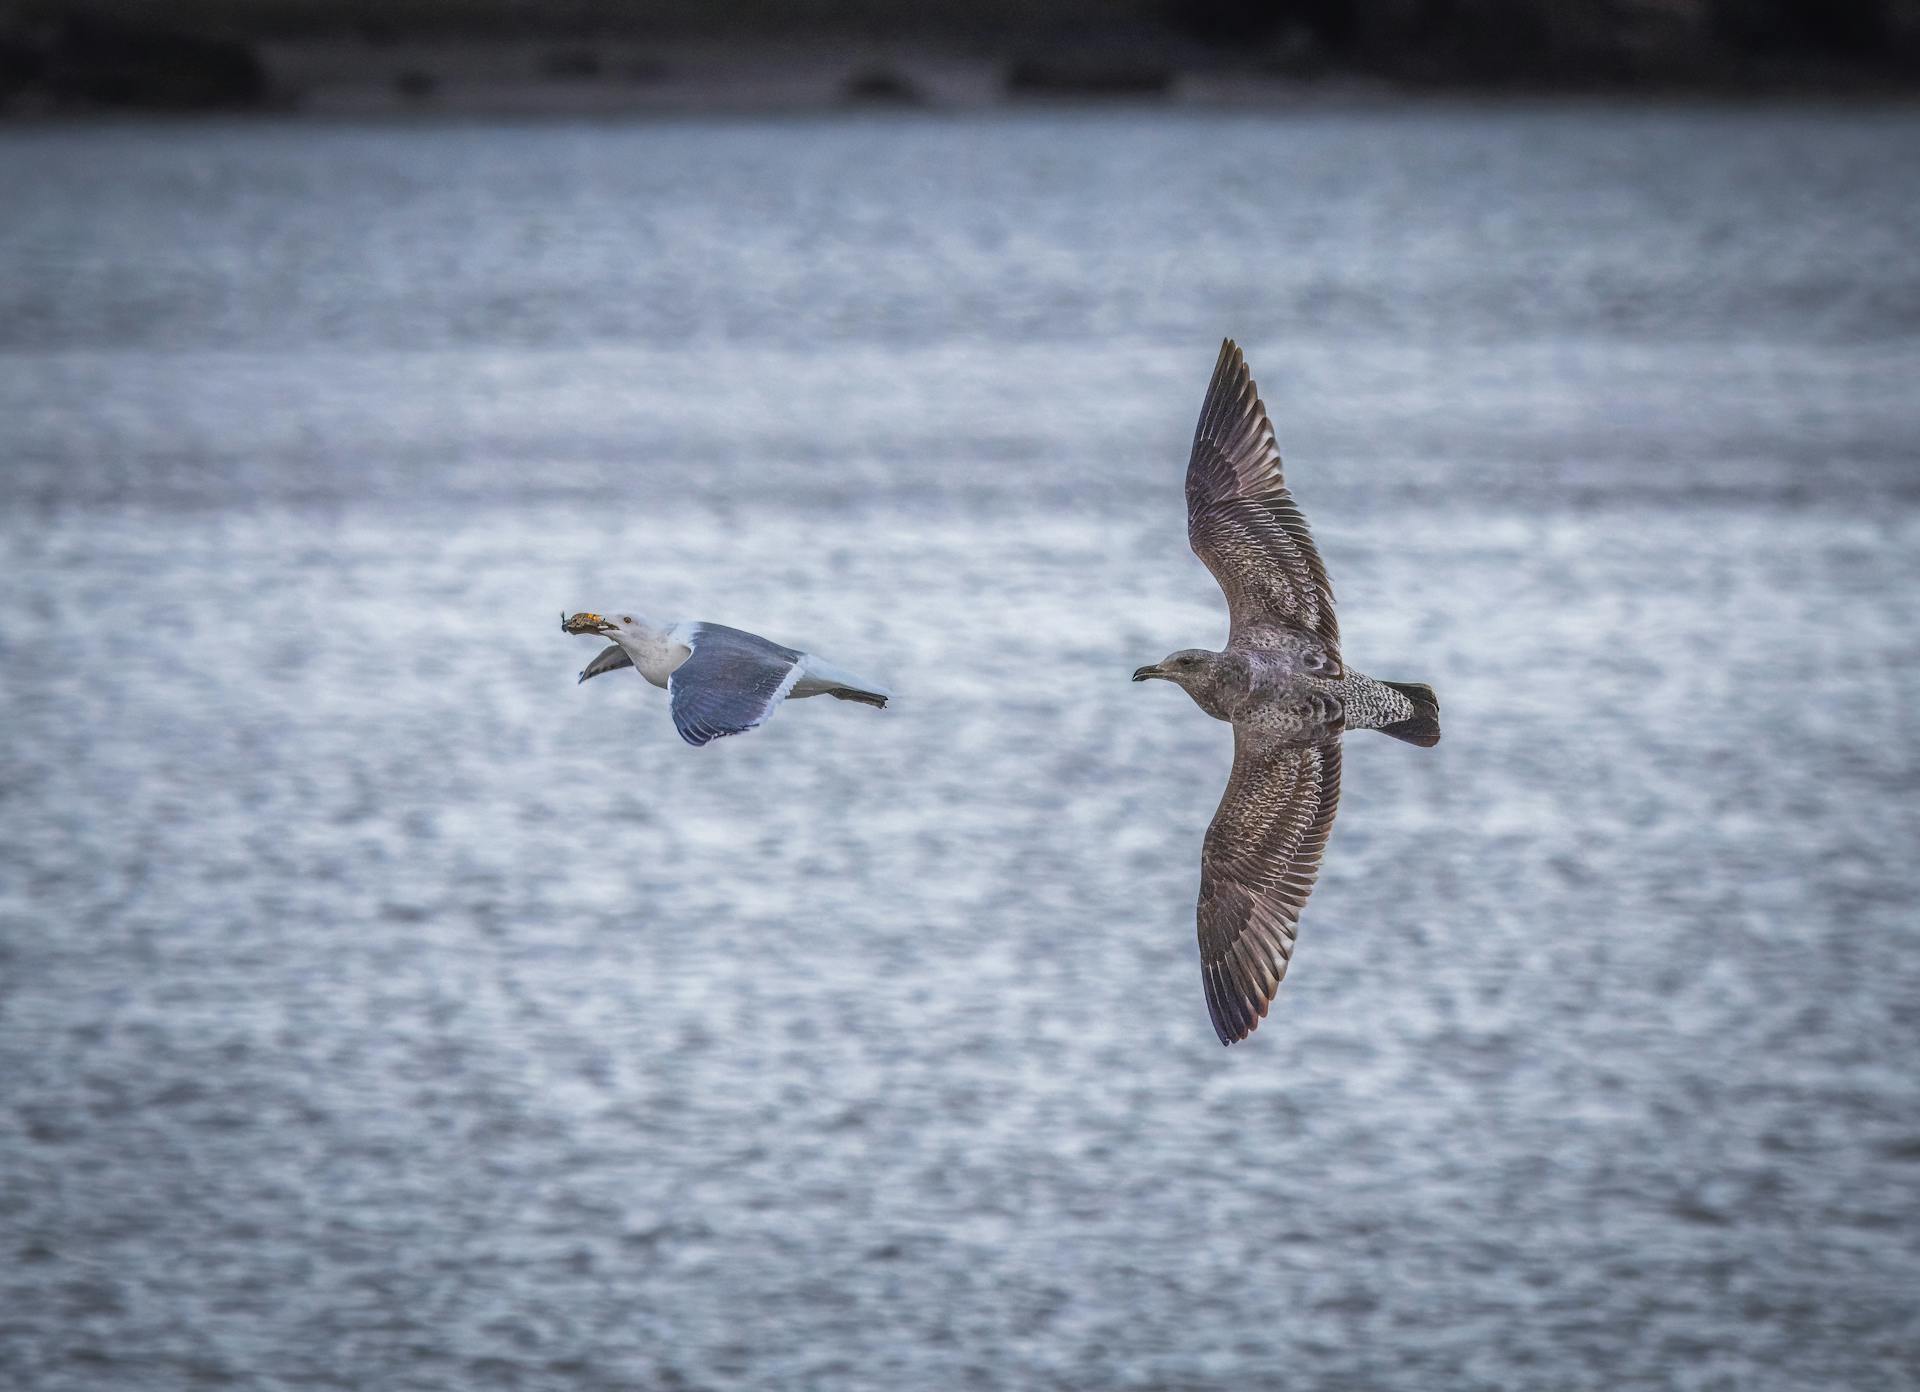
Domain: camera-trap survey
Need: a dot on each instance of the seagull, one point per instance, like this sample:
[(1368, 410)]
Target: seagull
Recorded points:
[(719, 680), (1282, 684)]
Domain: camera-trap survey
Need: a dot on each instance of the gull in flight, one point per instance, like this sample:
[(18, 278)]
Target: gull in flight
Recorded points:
[(719, 680), (1283, 686)]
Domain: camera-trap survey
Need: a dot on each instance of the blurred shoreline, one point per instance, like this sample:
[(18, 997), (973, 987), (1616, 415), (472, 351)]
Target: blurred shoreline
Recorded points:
[(62, 60)]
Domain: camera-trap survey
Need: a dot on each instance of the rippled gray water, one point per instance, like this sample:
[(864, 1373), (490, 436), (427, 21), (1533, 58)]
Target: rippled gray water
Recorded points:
[(378, 1009)]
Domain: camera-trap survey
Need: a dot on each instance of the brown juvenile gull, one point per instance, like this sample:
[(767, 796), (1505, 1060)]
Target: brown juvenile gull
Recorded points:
[(719, 680), (1282, 684)]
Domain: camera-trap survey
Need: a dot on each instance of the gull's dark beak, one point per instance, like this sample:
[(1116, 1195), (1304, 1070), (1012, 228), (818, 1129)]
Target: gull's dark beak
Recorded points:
[(1142, 673), (585, 623)]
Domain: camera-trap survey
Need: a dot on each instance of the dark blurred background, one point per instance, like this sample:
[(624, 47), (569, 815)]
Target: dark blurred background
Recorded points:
[(380, 1009), (606, 54)]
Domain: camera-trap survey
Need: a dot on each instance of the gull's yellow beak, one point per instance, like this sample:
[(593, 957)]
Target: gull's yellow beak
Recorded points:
[(584, 623)]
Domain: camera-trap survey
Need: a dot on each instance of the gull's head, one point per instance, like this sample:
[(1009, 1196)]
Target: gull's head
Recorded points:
[(603, 625), (1187, 665)]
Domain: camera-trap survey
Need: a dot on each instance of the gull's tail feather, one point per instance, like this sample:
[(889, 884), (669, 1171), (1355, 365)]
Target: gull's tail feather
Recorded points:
[(824, 679), (1423, 726)]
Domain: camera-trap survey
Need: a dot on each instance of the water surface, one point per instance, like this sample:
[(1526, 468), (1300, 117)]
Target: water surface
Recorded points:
[(379, 1009)]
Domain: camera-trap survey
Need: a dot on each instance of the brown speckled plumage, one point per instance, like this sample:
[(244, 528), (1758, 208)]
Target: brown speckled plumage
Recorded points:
[(1283, 685)]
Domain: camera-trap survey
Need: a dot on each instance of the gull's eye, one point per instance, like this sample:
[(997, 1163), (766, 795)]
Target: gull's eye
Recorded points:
[(627, 619)]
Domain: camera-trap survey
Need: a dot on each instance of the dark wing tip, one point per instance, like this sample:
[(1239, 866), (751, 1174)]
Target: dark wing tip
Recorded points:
[(1231, 363), (1235, 1005), (1228, 1031), (1233, 418)]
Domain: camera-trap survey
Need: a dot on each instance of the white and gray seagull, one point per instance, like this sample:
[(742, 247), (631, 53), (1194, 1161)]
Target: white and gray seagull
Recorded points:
[(1289, 695), (719, 680)]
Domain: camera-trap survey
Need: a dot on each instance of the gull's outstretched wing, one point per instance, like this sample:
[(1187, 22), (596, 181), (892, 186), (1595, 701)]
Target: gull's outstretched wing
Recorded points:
[(1244, 524), (611, 659), (1256, 870), (732, 681)]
